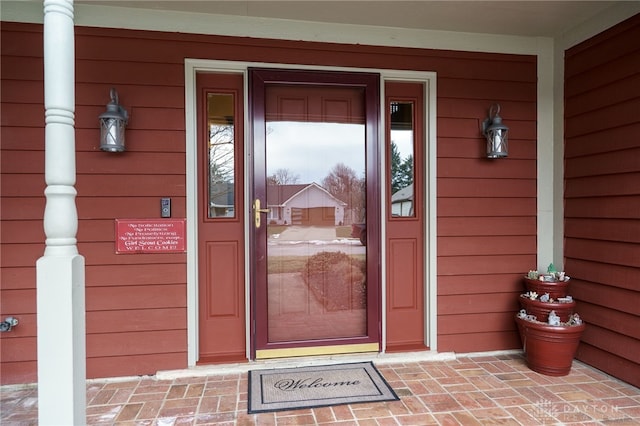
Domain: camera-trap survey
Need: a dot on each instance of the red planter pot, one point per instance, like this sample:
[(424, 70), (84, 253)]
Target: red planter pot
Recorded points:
[(541, 309), (554, 288), (549, 349)]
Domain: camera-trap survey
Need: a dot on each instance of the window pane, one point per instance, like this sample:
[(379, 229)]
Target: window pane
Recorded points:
[(316, 189), (402, 139), (220, 119)]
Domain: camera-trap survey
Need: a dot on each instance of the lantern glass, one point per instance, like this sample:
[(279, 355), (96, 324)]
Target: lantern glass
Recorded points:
[(497, 144), (112, 134)]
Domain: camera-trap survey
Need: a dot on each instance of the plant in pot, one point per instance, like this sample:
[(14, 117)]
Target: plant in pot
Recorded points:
[(549, 329), (542, 305)]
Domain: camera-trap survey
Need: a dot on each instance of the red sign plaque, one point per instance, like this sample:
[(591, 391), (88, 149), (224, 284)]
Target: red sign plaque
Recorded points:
[(150, 235)]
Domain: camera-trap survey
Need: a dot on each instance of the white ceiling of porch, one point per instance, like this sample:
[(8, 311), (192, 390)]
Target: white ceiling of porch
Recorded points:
[(520, 18)]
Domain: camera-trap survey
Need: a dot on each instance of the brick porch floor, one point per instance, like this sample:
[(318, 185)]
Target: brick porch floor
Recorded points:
[(467, 390)]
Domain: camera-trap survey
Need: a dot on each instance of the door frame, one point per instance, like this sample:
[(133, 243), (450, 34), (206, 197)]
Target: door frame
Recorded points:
[(428, 78)]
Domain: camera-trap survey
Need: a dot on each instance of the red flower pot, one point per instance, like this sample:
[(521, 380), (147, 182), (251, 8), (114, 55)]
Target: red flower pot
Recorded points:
[(549, 349), (554, 288), (541, 309)]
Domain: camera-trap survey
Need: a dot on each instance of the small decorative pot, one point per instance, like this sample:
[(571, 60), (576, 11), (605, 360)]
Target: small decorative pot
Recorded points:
[(541, 309), (549, 349), (555, 289)]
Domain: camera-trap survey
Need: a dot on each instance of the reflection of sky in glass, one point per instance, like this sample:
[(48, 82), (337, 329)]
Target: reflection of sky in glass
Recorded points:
[(404, 141), (311, 150)]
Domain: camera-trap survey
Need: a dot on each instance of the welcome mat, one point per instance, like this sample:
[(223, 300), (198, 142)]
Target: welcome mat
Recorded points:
[(316, 386)]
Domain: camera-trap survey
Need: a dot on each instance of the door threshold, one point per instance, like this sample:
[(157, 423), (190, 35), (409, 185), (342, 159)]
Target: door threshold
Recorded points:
[(317, 350)]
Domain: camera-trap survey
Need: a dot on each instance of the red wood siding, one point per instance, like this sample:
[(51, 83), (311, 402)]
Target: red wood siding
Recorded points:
[(136, 304), (602, 196), (22, 203), (486, 209), (486, 231)]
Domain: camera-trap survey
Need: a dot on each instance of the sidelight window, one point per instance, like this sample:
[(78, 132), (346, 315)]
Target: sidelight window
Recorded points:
[(402, 159), (221, 181)]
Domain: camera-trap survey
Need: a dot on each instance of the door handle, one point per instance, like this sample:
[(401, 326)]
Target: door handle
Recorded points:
[(256, 212)]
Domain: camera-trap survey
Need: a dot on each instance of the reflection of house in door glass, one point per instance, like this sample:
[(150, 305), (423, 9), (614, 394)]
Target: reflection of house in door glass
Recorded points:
[(402, 202), (305, 204)]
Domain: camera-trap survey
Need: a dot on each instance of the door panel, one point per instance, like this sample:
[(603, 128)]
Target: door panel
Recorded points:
[(315, 146), (221, 281), (405, 220)]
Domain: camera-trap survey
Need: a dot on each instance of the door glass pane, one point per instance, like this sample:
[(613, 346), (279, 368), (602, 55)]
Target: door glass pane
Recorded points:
[(221, 120), (315, 167), (402, 140)]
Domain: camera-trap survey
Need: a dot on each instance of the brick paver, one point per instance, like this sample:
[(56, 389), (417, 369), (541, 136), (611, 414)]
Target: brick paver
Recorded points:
[(465, 391)]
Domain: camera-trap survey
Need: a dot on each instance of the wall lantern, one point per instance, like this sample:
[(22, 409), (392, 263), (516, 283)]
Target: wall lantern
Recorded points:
[(112, 124), (496, 134)]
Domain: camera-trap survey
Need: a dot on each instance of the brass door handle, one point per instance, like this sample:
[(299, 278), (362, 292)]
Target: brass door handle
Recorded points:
[(256, 212)]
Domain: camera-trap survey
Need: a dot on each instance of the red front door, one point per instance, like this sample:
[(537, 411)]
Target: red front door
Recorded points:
[(315, 167)]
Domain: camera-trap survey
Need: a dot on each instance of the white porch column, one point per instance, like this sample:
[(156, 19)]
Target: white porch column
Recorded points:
[(547, 178), (60, 272)]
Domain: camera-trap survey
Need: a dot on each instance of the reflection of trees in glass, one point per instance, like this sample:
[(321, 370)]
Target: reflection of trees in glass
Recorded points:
[(221, 169), (401, 169), (221, 153), (283, 177), (343, 183)]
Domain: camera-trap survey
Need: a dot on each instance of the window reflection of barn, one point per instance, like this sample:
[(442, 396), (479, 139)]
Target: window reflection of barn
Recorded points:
[(304, 204)]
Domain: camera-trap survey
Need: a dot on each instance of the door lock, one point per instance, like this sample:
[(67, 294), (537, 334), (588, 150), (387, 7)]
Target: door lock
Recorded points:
[(256, 212)]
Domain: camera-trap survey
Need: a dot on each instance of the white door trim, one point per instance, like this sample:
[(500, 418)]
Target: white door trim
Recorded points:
[(192, 66)]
